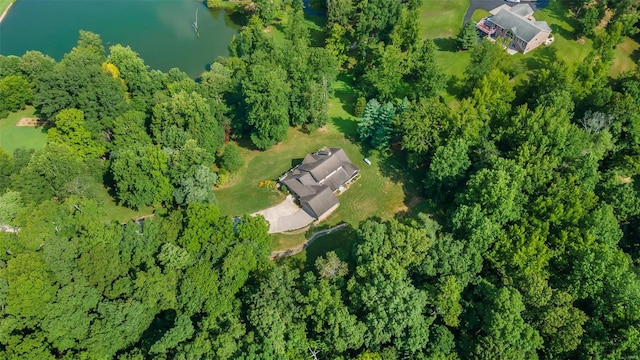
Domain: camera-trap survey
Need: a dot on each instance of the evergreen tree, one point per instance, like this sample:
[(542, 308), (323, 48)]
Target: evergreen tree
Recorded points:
[(468, 36)]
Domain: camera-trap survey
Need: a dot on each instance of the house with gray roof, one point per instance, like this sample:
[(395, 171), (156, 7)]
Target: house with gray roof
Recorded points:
[(517, 26), (318, 178)]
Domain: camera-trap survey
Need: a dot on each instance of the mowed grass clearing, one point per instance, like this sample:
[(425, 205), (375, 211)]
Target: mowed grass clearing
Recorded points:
[(13, 137), (113, 211), (479, 14), (442, 19), (566, 46), (379, 191), (625, 56)]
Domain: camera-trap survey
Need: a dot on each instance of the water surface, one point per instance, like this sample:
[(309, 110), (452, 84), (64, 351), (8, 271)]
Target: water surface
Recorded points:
[(160, 31)]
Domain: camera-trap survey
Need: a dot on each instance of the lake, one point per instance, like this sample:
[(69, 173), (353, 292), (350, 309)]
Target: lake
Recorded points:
[(160, 31)]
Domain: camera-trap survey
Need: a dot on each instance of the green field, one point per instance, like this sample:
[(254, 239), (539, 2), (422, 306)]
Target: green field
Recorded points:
[(442, 19), (566, 46), (383, 189), (624, 60), (115, 212), (13, 137), (479, 14), (341, 242)]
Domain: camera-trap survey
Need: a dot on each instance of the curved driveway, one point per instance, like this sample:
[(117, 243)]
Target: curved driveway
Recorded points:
[(285, 216), (492, 4)]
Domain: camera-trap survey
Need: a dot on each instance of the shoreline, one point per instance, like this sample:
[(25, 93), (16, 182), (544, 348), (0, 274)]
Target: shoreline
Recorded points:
[(6, 11)]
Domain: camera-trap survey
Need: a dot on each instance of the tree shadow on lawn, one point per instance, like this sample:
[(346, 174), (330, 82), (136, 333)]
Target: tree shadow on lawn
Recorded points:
[(541, 57), (316, 34), (562, 32), (635, 54), (446, 44), (341, 241), (455, 87), (347, 98), (559, 13), (244, 141), (348, 127), (394, 166), (296, 162)]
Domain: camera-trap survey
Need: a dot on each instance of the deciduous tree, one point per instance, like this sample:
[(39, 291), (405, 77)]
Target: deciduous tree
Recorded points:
[(140, 176), (15, 93), (70, 130), (266, 92)]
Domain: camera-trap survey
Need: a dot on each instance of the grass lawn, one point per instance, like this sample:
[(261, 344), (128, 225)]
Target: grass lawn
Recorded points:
[(288, 241), (13, 137), (316, 26), (565, 47), (383, 189), (341, 242), (442, 19), (625, 56), (479, 14), (115, 212)]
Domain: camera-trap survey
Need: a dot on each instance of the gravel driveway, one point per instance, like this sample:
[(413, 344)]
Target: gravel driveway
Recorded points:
[(492, 4)]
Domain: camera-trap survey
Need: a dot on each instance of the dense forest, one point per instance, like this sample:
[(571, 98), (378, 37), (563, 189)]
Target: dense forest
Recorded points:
[(532, 250)]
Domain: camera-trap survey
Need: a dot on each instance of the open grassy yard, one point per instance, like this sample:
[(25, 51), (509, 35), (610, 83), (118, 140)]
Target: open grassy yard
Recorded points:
[(566, 46), (13, 137), (316, 26), (479, 14), (115, 212), (626, 56), (383, 189), (442, 19)]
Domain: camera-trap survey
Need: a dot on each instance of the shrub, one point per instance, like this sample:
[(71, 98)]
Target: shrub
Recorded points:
[(358, 110), (231, 158)]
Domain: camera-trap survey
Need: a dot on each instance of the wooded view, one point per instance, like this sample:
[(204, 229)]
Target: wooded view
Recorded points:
[(499, 217)]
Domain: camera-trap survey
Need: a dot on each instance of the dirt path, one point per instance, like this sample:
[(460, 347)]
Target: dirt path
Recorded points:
[(292, 251)]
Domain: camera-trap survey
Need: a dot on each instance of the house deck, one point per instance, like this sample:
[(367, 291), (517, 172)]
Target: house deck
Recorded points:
[(486, 26)]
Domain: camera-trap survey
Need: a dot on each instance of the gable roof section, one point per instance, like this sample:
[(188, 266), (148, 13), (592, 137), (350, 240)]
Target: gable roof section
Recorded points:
[(325, 162), (321, 202), (519, 25), (522, 10), (318, 176)]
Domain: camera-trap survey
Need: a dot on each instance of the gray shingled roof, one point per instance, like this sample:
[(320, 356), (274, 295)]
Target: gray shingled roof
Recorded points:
[(522, 10), (519, 26), (321, 202), (319, 175)]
